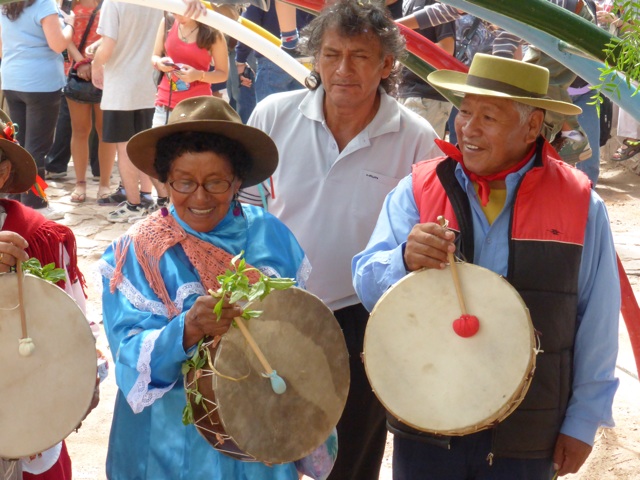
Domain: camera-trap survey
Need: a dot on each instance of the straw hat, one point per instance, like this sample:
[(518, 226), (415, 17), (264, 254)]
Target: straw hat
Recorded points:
[(504, 78), (23, 168), (212, 115)]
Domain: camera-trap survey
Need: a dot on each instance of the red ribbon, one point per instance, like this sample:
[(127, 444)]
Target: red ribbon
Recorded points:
[(484, 189), (9, 132)]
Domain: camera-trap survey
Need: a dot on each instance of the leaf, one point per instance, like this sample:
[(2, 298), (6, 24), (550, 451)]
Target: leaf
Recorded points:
[(217, 309), (235, 259), (249, 314), (236, 296), (187, 414), (49, 272)]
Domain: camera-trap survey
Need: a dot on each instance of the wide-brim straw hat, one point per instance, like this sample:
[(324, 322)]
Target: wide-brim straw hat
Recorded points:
[(212, 115), (23, 167), (503, 78)]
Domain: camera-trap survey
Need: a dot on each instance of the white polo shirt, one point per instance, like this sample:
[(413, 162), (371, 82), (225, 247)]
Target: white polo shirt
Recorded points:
[(329, 199)]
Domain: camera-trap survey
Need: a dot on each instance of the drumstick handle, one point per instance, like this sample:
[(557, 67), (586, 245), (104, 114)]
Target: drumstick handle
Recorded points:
[(454, 271), (23, 316), (456, 282), (252, 343), (277, 383), (25, 344)]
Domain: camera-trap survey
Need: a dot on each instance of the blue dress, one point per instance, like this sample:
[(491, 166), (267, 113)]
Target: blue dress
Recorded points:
[(148, 439)]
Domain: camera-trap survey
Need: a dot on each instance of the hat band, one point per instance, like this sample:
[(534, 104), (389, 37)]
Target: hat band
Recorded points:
[(498, 86)]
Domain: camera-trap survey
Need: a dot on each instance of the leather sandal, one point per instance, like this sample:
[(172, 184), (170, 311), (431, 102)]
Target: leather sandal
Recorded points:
[(79, 194), (630, 148)]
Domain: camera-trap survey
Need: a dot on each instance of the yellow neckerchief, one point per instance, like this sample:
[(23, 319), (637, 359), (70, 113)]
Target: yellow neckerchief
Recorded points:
[(497, 199)]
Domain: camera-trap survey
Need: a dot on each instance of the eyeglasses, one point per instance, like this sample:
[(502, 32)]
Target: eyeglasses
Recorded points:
[(212, 186)]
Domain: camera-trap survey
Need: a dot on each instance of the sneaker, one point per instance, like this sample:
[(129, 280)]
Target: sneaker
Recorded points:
[(147, 201), (54, 175), (152, 208), (49, 213), (116, 198), (572, 150), (125, 212)]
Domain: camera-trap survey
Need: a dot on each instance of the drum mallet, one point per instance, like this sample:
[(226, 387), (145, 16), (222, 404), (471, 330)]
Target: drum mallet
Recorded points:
[(277, 383), (466, 325), (26, 346)]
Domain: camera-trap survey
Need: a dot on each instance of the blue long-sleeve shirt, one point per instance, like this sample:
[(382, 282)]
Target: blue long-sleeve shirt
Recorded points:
[(381, 264)]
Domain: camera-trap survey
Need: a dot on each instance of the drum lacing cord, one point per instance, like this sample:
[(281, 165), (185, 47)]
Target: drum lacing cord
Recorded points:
[(216, 372), (538, 348), (11, 469)]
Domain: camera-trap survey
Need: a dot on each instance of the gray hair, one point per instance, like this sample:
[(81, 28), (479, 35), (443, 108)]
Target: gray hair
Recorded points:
[(525, 111), (351, 18)]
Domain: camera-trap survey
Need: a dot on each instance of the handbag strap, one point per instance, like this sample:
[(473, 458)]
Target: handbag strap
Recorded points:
[(88, 29), (466, 39)]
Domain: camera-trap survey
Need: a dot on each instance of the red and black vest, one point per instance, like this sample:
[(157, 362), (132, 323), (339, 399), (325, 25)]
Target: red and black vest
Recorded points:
[(547, 227)]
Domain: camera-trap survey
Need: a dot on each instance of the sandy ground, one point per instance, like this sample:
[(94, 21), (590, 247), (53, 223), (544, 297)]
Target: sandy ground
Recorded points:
[(616, 454)]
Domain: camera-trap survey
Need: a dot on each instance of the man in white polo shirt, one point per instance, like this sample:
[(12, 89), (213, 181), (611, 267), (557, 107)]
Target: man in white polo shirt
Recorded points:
[(343, 146)]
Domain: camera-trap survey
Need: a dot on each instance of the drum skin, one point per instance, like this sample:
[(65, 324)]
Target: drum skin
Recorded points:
[(244, 418), (44, 396), (434, 380)]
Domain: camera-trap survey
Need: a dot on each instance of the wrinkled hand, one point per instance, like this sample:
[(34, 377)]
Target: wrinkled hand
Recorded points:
[(200, 321), (194, 9), (427, 246), (12, 250), (569, 454)]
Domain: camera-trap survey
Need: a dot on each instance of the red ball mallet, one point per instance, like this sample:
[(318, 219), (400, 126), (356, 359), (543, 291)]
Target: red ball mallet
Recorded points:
[(466, 325)]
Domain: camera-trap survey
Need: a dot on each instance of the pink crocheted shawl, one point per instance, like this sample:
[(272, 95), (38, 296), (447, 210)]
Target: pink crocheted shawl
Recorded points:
[(155, 235)]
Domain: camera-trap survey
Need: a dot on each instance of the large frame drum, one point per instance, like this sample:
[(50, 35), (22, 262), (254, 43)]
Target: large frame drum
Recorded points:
[(434, 380), (43, 396), (241, 416)]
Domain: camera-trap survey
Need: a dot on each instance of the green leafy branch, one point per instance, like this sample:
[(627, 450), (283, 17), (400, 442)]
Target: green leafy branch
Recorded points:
[(234, 285), (195, 363), (622, 55), (49, 272)]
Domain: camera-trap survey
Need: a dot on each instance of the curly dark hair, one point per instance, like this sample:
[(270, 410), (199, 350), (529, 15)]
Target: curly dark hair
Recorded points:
[(351, 18), (172, 146), (14, 10)]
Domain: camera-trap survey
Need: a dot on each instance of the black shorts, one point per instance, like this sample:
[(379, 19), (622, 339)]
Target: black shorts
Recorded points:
[(118, 126)]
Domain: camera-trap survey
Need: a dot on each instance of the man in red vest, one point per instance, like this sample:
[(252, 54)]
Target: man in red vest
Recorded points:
[(515, 208)]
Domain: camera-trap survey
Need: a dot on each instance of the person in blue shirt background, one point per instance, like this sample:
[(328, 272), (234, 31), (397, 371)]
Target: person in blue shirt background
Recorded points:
[(517, 210)]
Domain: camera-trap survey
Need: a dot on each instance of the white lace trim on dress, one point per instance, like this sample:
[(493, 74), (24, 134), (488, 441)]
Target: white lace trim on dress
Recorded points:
[(140, 396), (302, 275), (142, 303)]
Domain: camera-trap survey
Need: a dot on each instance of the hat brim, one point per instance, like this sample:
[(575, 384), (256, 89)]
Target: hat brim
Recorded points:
[(262, 150), (23, 168), (455, 82)]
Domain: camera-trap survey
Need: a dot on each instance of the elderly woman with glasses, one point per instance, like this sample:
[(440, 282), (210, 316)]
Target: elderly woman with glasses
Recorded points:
[(156, 276)]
